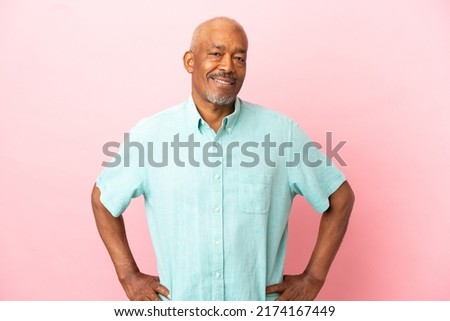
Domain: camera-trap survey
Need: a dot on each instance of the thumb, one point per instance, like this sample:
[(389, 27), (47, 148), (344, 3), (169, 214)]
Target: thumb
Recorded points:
[(276, 288)]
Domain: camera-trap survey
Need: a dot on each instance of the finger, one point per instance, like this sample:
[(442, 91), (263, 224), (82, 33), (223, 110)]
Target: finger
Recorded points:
[(285, 296), (157, 298), (153, 296), (142, 297), (161, 289), (276, 288)]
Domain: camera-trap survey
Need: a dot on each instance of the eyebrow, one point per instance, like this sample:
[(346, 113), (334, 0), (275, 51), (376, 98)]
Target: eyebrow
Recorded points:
[(222, 47)]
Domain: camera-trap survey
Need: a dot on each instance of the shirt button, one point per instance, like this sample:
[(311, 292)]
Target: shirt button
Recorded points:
[(217, 242), (217, 176), (229, 129), (217, 210), (218, 275)]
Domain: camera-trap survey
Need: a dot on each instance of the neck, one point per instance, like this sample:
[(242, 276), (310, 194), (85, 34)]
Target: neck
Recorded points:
[(213, 114)]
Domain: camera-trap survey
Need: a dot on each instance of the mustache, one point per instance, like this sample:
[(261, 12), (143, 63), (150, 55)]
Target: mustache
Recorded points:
[(222, 75)]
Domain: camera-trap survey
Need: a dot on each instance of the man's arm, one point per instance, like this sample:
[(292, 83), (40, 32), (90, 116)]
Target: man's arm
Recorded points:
[(138, 286), (333, 226)]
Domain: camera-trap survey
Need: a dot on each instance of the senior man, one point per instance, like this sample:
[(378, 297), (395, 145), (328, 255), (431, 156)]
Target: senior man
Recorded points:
[(218, 175)]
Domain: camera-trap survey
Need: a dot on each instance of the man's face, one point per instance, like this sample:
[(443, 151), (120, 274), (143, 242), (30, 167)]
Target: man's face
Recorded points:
[(218, 64)]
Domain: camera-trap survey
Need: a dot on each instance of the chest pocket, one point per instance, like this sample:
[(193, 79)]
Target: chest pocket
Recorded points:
[(254, 193)]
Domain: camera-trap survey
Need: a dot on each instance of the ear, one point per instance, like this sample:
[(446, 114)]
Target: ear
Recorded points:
[(188, 60)]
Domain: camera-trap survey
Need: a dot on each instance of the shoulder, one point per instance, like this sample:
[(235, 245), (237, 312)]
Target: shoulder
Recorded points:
[(273, 121), (167, 115), (160, 122), (266, 114)]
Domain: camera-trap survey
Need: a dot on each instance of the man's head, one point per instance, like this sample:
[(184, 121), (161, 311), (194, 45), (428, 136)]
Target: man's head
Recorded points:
[(217, 61)]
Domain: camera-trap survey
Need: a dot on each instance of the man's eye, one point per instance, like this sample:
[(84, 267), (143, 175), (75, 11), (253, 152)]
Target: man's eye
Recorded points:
[(240, 59), (215, 54)]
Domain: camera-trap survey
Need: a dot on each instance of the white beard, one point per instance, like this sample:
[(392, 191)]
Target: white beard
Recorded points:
[(219, 100)]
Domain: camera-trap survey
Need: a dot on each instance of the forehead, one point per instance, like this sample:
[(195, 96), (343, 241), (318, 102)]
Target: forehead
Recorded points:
[(224, 37)]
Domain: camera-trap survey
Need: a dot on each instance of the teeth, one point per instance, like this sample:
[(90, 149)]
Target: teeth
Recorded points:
[(222, 81)]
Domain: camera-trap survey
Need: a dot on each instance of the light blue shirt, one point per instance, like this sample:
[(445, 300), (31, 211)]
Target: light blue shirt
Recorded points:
[(218, 223)]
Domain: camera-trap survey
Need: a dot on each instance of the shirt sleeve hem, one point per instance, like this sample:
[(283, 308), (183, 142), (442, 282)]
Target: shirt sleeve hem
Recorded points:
[(106, 201), (329, 190)]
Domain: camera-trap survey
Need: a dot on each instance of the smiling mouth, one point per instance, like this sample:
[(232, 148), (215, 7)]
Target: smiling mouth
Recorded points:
[(224, 82), (223, 79)]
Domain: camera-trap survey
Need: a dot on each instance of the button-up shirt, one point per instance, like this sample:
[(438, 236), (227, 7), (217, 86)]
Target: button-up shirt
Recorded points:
[(218, 204)]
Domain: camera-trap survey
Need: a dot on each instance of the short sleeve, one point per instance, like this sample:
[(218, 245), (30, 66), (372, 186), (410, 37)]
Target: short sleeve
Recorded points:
[(123, 179), (310, 172)]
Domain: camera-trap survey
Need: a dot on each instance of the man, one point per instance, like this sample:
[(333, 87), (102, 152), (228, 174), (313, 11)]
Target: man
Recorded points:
[(218, 207)]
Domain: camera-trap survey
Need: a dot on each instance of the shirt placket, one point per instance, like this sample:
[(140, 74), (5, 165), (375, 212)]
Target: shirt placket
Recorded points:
[(216, 197), (217, 273)]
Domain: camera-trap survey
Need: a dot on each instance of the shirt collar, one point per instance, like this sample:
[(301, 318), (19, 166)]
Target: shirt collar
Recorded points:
[(197, 121)]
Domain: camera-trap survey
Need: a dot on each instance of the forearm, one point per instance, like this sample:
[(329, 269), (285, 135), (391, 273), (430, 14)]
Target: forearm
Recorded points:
[(333, 226), (112, 232)]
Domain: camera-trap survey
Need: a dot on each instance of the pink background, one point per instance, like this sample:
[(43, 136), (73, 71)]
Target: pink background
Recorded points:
[(76, 74)]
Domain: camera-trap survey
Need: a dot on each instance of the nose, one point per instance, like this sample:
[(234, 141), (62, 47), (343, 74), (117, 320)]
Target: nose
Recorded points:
[(226, 64)]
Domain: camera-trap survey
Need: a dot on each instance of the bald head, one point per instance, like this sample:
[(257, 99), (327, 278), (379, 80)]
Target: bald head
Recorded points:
[(201, 32)]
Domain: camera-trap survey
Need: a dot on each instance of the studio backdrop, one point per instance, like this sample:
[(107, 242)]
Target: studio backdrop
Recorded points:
[(75, 75)]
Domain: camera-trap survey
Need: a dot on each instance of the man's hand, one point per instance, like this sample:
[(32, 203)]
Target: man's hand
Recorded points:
[(301, 287), (143, 287)]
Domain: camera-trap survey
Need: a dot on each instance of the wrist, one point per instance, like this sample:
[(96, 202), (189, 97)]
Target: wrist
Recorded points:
[(124, 271), (315, 276)]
